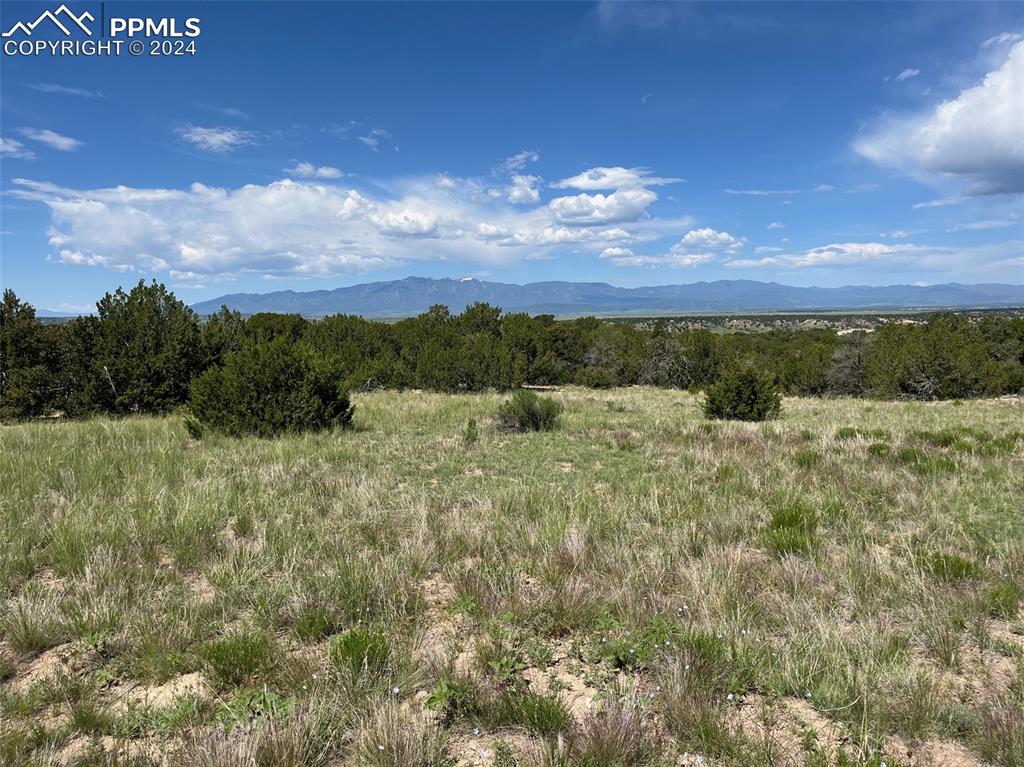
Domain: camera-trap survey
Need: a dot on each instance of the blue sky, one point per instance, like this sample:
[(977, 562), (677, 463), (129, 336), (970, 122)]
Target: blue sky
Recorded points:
[(309, 146)]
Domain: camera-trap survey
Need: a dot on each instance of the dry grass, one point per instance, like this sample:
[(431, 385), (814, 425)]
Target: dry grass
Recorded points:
[(641, 587)]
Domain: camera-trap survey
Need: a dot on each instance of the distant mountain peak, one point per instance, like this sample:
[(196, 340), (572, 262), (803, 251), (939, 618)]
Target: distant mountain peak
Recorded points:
[(413, 295)]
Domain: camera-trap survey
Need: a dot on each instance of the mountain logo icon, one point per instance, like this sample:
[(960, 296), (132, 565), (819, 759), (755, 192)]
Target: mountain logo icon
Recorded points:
[(62, 17)]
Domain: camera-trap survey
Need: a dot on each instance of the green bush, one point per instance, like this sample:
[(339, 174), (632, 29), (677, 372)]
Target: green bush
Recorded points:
[(526, 411), (743, 394), (269, 388)]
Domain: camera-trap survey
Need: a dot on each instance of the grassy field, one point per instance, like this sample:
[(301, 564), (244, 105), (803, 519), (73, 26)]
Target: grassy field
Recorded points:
[(642, 587)]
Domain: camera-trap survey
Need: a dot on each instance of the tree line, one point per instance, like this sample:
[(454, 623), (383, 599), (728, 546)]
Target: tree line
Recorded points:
[(143, 349)]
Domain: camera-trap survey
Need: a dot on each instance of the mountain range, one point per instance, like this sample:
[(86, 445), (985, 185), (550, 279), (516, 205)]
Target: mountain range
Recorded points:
[(413, 295)]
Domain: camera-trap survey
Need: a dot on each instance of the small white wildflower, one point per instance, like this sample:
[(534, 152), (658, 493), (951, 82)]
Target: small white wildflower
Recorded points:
[(807, 695), (476, 730), (729, 696), (380, 748)]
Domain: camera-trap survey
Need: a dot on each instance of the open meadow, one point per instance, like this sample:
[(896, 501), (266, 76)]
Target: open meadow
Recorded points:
[(641, 587)]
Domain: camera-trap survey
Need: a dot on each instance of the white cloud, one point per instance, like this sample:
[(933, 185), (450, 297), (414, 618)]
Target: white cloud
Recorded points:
[(774, 192), (613, 178), (761, 249), (64, 90), (486, 231), (906, 74), (523, 190), (989, 263), (217, 140), (563, 235), (977, 136), (1002, 39), (991, 223), (375, 138), (776, 225), (625, 204), (305, 228), (626, 257), (616, 254), (309, 170), (709, 239), (405, 220), (838, 254), (942, 202), (517, 162), (15, 149), (698, 246), (51, 139)]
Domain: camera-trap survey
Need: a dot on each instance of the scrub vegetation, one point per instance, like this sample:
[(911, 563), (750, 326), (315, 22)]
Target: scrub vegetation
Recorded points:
[(270, 542), (841, 585)]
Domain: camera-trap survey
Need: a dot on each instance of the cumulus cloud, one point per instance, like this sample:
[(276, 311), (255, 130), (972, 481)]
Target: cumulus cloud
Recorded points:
[(698, 246), (309, 170), (616, 253), (906, 74), (976, 137), (406, 219), (709, 239), (625, 204), (15, 149), (217, 140), (776, 225), (299, 228), (51, 138), (523, 190), (613, 178)]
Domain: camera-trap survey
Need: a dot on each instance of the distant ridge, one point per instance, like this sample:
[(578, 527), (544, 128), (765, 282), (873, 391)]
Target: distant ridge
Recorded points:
[(414, 295)]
